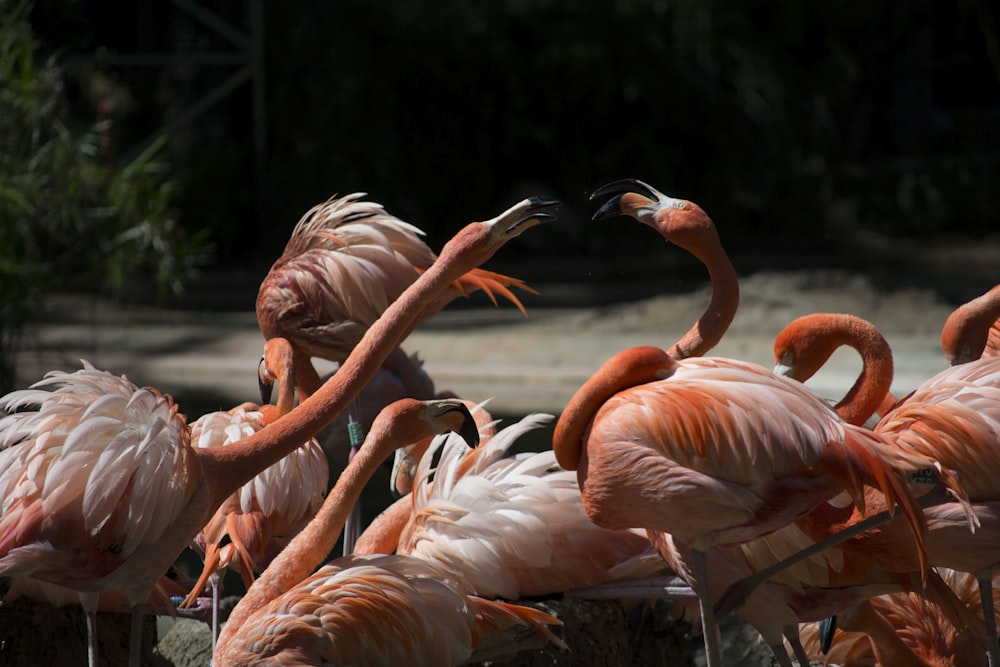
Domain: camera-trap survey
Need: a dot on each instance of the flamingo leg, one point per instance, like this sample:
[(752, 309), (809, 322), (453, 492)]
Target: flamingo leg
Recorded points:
[(737, 593), (800, 652), (91, 617), (352, 529), (986, 597), (214, 582), (781, 656), (135, 637), (713, 656)]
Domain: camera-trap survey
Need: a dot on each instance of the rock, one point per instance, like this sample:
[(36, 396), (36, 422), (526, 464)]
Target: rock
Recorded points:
[(35, 633)]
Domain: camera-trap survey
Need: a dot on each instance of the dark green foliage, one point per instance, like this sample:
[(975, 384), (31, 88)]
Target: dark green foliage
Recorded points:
[(68, 219)]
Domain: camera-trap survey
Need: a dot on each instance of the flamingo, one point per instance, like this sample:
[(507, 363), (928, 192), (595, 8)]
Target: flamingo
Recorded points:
[(710, 451), (100, 487), (972, 330), (381, 610), (253, 524), (345, 262), (954, 418), (511, 526)]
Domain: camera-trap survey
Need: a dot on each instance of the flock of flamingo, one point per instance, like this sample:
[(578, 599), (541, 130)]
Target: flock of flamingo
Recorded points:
[(858, 533)]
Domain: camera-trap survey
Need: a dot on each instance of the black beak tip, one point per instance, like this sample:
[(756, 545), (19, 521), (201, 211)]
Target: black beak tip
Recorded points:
[(263, 387), (625, 185), (543, 202), (609, 209), (827, 629)]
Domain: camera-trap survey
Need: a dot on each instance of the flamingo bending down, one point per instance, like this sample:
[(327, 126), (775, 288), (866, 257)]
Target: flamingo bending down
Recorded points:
[(511, 526), (345, 262), (972, 330), (380, 611), (710, 451), (100, 487), (255, 523), (904, 629)]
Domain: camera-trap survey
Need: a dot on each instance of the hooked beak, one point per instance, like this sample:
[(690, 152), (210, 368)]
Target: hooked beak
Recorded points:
[(526, 214), (451, 415), (621, 188)]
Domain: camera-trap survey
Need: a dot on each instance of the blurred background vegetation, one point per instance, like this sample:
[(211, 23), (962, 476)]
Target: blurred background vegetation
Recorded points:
[(811, 132)]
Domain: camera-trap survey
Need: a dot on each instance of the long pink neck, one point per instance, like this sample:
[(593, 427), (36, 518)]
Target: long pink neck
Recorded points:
[(712, 325), (313, 544), (628, 368), (228, 468)]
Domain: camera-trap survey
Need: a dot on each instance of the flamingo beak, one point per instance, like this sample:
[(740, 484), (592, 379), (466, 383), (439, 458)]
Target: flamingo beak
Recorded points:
[(264, 382), (622, 188)]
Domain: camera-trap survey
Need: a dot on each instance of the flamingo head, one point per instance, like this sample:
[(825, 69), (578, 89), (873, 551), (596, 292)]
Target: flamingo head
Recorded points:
[(479, 241), (277, 365), (436, 417), (679, 221)]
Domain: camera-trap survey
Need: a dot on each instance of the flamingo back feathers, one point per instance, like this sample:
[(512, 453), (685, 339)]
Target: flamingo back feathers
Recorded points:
[(721, 422), (99, 463)]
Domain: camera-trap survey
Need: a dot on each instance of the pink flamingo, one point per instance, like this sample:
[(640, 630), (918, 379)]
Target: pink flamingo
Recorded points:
[(100, 487), (710, 451), (383, 610), (345, 262)]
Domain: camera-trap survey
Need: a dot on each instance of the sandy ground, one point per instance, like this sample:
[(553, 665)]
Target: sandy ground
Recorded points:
[(207, 359)]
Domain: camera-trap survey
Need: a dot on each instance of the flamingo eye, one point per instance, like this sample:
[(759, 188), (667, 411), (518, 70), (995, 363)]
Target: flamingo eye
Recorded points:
[(680, 204)]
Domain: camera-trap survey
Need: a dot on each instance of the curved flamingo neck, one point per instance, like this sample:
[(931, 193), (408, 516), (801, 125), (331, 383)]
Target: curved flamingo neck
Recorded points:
[(712, 325), (814, 338), (628, 368), (966, 331), (228, 468)]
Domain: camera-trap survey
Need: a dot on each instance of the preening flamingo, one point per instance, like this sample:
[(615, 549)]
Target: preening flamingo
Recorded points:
[(710, 451), (256, 522), (345, 262), (385, 610), (904, 629), (972, 330), (510, 526), (100, 487)]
